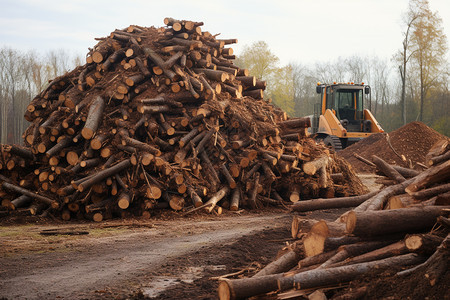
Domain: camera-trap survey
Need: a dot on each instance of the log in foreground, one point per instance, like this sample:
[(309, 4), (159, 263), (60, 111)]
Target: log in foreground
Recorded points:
[(327, 277), (283, 264), (248, 287), (309, 205), (381, 222)]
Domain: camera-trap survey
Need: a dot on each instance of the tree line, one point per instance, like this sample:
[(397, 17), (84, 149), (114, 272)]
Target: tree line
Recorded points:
[(22, 76), (411, 86)]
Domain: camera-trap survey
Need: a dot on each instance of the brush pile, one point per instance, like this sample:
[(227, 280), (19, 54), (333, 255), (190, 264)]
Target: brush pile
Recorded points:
[(158, 118)]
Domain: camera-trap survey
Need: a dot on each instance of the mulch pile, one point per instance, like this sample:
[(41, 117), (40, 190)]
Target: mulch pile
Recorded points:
[(412, 140), (159, 118)]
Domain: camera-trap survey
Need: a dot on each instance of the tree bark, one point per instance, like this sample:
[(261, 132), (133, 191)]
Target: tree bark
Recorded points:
[(13, 188), (381, 222), (316, 204), (94, 118), (394, 249), (439, 173), (104, 174), (312, 167), (283, 264), (387, 169), (333, 276)]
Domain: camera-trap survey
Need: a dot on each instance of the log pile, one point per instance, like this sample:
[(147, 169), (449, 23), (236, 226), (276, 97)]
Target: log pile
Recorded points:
[(411, 238), (162, 118)]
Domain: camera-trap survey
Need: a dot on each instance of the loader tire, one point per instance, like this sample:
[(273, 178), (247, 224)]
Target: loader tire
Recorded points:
[(334, 142)]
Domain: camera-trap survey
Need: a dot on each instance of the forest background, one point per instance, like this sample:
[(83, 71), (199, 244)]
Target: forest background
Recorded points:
[(412, 85)]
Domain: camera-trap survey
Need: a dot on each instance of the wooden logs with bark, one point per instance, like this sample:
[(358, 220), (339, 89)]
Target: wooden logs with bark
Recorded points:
[(155, 119), (381, 222)]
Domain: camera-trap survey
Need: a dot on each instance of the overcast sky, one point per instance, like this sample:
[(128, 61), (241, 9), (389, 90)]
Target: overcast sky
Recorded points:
[(304, 31)]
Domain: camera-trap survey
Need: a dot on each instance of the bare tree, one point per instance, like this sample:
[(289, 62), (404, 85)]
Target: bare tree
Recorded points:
[(404, 55)]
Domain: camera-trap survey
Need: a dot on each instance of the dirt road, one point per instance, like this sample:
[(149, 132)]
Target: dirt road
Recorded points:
[(118, 259), (166, 257)]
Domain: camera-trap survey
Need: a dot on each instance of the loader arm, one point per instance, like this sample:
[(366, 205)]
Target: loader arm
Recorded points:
[(330, 125)]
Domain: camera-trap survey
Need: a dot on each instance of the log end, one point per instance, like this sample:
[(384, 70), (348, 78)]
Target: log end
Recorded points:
[(309, 169), (87, 133), (224, 290), (350, 223), (123, 203), (413, 242)]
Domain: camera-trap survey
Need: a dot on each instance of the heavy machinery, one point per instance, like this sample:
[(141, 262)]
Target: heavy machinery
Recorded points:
[(340, 118)]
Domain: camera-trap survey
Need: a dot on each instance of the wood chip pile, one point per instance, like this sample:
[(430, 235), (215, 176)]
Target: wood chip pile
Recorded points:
[(159, 118), (403, 228)]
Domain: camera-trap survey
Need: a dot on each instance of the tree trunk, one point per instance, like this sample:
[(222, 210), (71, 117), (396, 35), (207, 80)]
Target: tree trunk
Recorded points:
[(431, 192), (312, 167), (104, 174), (283, 264), (387, 169), (334, 276), (394, 249), (94, 118), (381, 222), (424, 244), (439, 173), (316, 204), (13, 188)]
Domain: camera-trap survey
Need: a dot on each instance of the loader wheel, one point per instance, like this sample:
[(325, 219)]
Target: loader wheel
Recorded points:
[(334, 142)]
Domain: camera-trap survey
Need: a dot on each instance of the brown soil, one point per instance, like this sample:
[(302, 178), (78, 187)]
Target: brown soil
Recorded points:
[(167, 257), (413, 140)]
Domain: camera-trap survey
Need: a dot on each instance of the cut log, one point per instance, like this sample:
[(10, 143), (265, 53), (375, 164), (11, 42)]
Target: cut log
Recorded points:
[(247, 287), (301, 226), (315, 204), (364, 160), (316, 259), (431, 192), (312, 167), (406, 172), (395, 249), (211, 203), (424, 244), (435, 266), (94, 118), (387, 169), (296, 123), (314, 241), (381, 222), (104, 174), (438, 159), (379, 200), (346, 251), (283, 264), (334, 276), (234, 205), (13, 188), (439, 173)]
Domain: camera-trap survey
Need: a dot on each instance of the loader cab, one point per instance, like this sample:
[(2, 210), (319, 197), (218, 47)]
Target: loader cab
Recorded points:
[(346, 101), (340, 118)]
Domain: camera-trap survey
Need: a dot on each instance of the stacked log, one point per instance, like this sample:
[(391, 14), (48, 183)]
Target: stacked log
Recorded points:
[(371, 238), (160, 118)]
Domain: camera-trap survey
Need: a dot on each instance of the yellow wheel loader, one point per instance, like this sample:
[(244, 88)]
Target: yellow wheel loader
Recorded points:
[(340, 118)]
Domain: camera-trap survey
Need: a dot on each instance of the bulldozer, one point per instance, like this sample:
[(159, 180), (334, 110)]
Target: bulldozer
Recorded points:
[(340, 118)]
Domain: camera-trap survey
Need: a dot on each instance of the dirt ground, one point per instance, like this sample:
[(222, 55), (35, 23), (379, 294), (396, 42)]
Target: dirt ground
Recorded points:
[(126, 258), (161, 258), (165, 257)]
